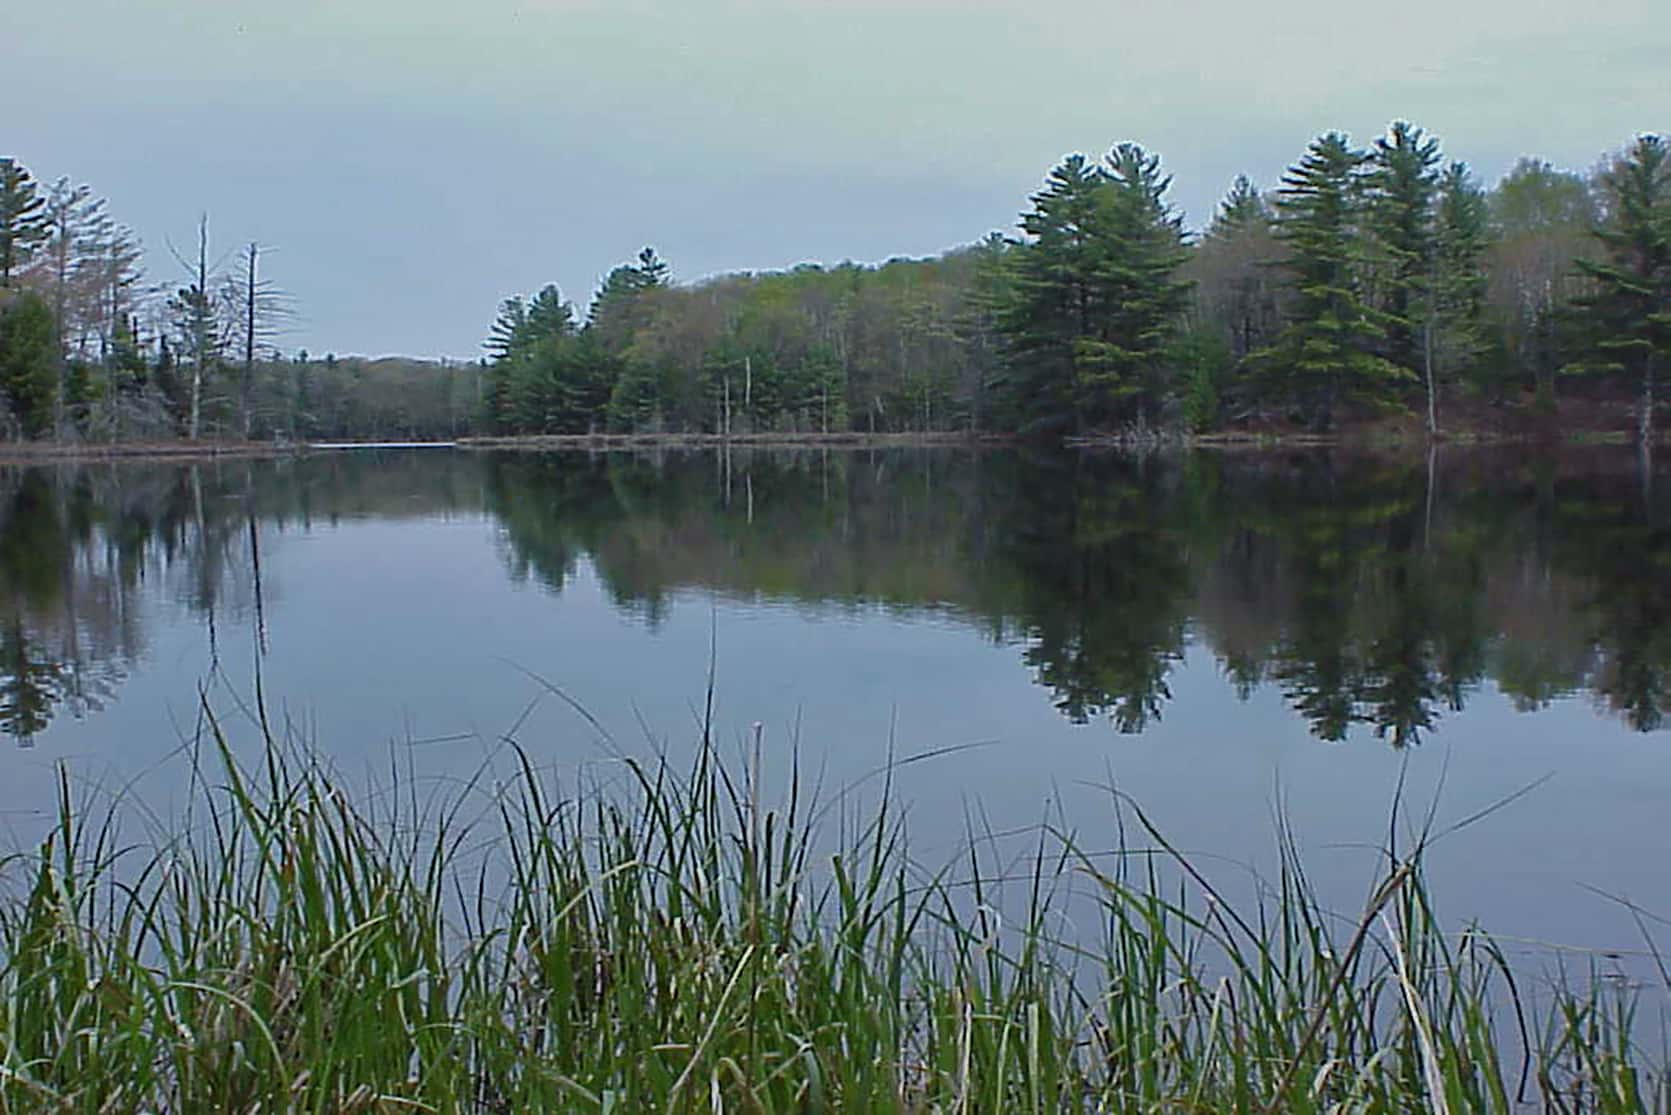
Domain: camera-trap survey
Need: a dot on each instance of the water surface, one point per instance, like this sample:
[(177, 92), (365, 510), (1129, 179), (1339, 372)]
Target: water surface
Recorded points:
[(1220, 636)]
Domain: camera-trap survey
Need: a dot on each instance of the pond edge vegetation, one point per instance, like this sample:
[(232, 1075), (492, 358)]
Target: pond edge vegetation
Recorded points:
[(692, 941)]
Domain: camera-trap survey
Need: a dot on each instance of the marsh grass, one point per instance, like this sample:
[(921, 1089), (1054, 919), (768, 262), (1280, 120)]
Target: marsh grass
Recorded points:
[(676, 942)]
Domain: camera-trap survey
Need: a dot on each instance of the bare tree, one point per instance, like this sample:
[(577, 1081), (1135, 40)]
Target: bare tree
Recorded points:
[(195, 311), (260, 310), (75, 222), (113, 273)]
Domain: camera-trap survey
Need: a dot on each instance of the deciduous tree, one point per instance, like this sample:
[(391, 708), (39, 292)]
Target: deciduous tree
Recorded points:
[(1540, 225)]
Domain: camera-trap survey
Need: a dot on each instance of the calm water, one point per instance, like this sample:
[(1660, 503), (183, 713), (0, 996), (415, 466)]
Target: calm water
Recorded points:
[(1215, 635)]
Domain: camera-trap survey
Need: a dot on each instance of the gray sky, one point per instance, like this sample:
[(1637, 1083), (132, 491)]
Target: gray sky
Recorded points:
[(415, 161)]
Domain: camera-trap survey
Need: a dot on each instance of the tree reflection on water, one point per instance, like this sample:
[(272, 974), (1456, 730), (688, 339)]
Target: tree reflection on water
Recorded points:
[(1375, 594)]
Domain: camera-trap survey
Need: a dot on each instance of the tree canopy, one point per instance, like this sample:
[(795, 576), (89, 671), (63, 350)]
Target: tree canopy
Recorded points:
[(1368, 283)]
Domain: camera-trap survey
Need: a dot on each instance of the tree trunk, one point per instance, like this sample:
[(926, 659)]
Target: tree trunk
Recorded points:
[(1432, 486), (1645, 415), (200, 328), (1432, 388), (249, 341)]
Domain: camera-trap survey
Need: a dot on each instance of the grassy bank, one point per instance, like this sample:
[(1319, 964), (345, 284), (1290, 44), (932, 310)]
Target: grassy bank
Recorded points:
[(680, 944)]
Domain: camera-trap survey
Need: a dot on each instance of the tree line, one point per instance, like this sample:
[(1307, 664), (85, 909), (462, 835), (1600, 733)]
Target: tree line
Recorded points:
[(1369, 281), (93, 349)]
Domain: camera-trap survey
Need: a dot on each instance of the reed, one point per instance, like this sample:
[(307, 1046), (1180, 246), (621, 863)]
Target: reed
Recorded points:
[(688, 942)]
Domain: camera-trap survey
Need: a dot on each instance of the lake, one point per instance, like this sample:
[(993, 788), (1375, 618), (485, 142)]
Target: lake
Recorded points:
[(1224, 637)]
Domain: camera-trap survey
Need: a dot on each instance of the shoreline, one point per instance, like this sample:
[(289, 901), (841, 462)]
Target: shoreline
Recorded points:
[(1364, 439), (49, 452), (850, 440)]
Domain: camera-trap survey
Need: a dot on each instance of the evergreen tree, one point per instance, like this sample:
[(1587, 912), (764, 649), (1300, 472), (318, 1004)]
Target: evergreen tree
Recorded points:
[(195, 313), (980, 300), (549, 317), (29, 360), (505, 335), (1629, 312), (504, 342), (583, 375), (1324, 354), (520, 325), (1242, 207), (1094, 298), (620, 308), (524, 392), (1053, 295), (31, 685), (22, 219), (1141, 298), (1457, 333), (820, 388), (635, 399), (1403, 182), (653, 271)]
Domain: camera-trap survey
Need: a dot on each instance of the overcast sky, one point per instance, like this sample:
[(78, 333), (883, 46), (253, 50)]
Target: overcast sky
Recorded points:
[(414, 161)]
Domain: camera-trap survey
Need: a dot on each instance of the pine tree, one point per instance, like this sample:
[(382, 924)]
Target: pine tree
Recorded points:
[(1456, 335), (523, 397), (1628, 315), (29, 360), (620, 308), (1094, 296), (635, 399), (1324, 354), (504, 337), (564, 386), (1140, 296), (520, 325), (976, 323), (22, 219), (1403, 181), (549, 317), (653, 271), (1242, 207), (1053, 295)]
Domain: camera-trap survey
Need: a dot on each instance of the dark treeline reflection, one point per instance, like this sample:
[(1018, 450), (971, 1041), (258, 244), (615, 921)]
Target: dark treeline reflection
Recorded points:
[(1375, 595), (1379, 594), (90, 553)]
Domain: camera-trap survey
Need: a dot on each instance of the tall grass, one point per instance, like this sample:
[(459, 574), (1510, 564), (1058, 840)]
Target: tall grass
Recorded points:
[(680, 944)]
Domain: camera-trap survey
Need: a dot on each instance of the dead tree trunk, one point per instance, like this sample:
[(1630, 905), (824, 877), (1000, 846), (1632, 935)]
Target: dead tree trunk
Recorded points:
[(200, 325), (247, 387)]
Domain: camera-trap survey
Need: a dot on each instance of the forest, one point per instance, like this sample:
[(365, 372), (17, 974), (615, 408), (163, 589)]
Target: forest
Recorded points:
[(1371, 283)]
